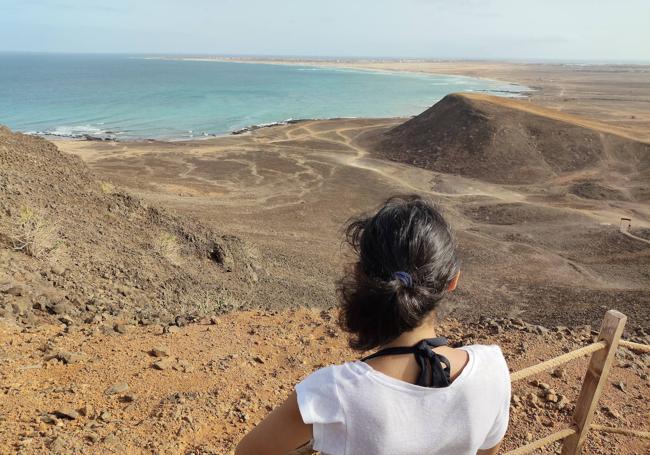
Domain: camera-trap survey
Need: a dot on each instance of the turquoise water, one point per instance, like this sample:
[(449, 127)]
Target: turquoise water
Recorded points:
[(125, 97)]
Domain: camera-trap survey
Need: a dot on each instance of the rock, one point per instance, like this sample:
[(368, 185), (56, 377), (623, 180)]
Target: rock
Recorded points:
[(67, 320), (516, 401), (496, 328), (112, 440), (258, 359), (544, 386), (66, 412), (87, 411), (611, 413), (128, 398), (121, 328), (105, 416), (57, 269), (6, 285), (541, 330), (172, 329), (620, 386), (60, 308), (159, 351), (559, 373), (184, 366), (69, 357), (20, 306), (163, 364), (180, 321), (92, 437), (561, 402), (518, 322), (117, 388), (14, 290), (49, 419), (551, 397), (58, 445)]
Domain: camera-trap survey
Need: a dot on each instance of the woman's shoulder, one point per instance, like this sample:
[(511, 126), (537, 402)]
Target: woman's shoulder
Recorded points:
[(321, 394), (488, 356), (336, 373), (491, 350)]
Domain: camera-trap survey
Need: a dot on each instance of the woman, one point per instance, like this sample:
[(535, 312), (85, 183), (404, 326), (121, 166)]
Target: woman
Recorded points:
[(415, 395)]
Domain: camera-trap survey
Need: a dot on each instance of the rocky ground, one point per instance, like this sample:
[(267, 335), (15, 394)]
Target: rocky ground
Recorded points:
[(196, 389), (75, 247)]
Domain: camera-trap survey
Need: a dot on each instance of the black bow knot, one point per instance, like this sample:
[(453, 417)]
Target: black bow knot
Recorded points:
[(435, 369)]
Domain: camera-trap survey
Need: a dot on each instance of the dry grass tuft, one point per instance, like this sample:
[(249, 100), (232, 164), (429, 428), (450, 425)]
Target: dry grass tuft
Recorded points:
[(106, 187), (166, 245), (32, 233)]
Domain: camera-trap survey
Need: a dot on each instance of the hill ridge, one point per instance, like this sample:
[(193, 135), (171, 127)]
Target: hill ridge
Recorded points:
[(500, 140)]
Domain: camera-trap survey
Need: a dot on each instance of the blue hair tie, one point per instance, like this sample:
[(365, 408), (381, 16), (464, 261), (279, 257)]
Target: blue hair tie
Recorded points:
[(404, 277)]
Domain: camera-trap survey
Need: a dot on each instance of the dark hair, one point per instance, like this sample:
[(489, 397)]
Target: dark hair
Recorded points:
[(407, 234)]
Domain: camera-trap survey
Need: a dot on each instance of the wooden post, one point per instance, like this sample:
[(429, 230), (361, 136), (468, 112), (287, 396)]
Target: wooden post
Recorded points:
[(595, 379)]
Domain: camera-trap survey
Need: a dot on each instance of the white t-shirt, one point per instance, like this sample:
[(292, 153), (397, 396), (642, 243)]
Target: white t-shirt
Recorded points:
[(356, 410)]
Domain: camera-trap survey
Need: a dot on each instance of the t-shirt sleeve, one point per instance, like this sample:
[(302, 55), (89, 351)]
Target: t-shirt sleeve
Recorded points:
[(502, 380), (320, 406)]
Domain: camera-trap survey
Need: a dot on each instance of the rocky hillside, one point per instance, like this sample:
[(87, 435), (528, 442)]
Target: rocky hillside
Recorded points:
[(506, 141), (75, 248)]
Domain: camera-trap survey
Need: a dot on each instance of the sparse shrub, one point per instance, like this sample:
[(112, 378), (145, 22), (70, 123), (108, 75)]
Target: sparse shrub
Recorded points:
[(166, 245), (106, 187), (32, 233)]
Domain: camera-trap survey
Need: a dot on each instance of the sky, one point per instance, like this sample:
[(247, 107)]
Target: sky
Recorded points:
[(573, 30)]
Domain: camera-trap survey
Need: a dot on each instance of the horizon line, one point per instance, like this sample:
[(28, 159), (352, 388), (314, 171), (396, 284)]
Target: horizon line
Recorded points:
[(329, 58)]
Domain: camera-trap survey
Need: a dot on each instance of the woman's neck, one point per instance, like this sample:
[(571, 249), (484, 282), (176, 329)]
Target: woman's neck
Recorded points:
[(425, 330)]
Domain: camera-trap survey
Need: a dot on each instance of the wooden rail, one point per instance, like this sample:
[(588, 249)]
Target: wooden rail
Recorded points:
[(602, 353)]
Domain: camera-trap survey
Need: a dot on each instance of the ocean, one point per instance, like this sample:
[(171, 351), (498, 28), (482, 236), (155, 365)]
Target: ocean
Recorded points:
[(132, 97)]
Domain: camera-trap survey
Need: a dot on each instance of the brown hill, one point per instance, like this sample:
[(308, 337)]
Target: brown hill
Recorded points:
[(82, 250), (507, 141)]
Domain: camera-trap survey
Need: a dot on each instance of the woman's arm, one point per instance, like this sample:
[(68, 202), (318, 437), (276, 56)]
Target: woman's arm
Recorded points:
[(279, 433)]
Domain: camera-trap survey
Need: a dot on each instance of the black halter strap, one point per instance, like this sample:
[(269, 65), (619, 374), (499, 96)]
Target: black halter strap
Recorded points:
[(432, 372)]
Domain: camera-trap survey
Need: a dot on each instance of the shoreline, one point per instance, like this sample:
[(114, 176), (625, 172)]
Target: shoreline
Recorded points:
[(202, 137)]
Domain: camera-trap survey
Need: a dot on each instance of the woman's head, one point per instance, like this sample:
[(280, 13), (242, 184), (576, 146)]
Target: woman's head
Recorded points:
[(406, 263)]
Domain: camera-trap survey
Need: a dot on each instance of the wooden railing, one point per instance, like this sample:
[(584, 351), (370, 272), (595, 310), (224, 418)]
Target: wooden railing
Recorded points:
[(602, 352)]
